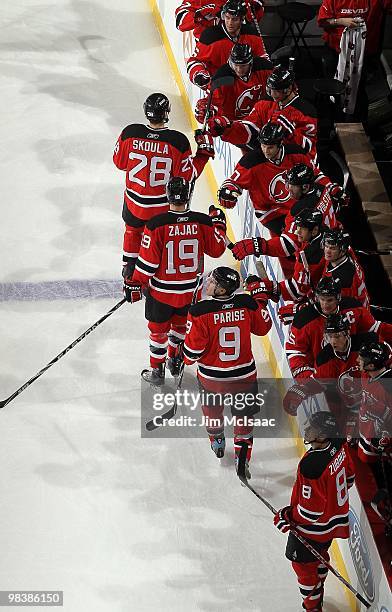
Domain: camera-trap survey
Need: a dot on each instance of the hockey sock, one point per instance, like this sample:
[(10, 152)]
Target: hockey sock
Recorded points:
[(131, 244), (243, 434), (214, 421), (158, 342), (176, 337)]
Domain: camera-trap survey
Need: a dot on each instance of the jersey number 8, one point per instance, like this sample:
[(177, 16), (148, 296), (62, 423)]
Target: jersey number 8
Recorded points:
[(157, 175)]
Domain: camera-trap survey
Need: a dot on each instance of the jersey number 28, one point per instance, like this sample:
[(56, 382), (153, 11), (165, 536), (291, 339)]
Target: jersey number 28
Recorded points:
[(159, 170)]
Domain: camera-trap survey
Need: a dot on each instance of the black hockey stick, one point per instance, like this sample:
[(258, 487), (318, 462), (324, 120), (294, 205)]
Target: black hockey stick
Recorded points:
[(64, 352), (315, 553), (361, 252), (254, 19), (215, 84)]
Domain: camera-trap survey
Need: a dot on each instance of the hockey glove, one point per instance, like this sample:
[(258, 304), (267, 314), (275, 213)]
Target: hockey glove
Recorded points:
[(228, 194), (339, 197), (262, 289), (286, 313), (249, 246), (202, 79), (201, 109), (277, 117), (300, 392), (205, 13), (218, 218), (132, 290), (205, 143), (282, 519), (217, 125)]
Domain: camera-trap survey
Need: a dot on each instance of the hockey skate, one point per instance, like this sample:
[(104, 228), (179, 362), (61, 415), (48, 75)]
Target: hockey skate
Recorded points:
[(248, 475), (154, 376), (218, 445), (174, 365)]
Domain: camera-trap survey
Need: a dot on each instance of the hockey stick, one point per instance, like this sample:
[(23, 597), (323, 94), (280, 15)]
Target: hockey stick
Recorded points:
[(381, 308), (169, 414), (315, 553), (215, 84), (254, 19), (66, 350), (361, 252)]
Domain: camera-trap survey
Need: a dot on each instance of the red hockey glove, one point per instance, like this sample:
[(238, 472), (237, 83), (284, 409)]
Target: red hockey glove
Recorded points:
[(217, 125), (228, 194), (205, 143), (205, 13), (132, 290), (201, 109), (218, 218), (282, 519), (300, 392), (339, 197), (249, 246), (286, 313), (262, 289), (278, 117), (202, 79)]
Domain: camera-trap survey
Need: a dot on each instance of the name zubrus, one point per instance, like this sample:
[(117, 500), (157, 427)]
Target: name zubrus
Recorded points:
[(190, 400)]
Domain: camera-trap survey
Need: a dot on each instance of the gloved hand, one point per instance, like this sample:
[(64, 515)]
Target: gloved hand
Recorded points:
[(205, 13), (217, 125), (201, 109), (278, 117), (300, 392), (218, 218), (202, 79), (262, 289), (249, 246), (286, 313), (228, 194), (282, 519), (132, 290), (338, 196), (205, 143)]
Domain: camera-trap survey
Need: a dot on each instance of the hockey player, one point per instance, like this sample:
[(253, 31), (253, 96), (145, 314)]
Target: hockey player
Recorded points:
[(375, 415), (319, 505), (250, 74), (263, 174), (296, 115), (197, 15), (170, 258), (307, 331), (340, 265), (150, 154), (215, 43), (218, 337)]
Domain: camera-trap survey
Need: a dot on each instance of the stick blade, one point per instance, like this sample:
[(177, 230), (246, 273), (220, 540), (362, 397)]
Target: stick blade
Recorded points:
[(261, 271), (158, 421), (241, 464)]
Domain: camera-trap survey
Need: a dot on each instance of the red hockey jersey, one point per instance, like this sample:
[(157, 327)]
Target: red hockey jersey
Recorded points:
[(370, 10), (187, 20), (219, 337), (150, 157), (319, 499), (330, 364), (307, 332), (298, 117), (172, 246), (375, 414), (308, 269), (215, 44), (238, 100), (351, 277), (266, 182)]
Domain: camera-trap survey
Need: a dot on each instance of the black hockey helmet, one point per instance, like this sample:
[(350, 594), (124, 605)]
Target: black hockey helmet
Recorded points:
[(241, 54), (329, 286), (376, 353), (324, 424), (309, 218), (227, 278), (177, 190), (271, 133), (280, 79), (336, 237), (336, 323), (157, 108), (300, 174), (236, 8)]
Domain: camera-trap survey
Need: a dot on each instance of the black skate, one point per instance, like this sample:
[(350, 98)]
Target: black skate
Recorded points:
[(248, 475), (218, 445), (155, 376), (174, 365)]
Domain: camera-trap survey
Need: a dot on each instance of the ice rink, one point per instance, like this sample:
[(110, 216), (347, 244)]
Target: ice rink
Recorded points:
[(118, 522)]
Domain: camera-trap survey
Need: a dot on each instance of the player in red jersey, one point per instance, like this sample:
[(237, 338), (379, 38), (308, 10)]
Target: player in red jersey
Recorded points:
[(307, 331), (215, 43), (150, 154), (170, 258), (263, 174), (296, 115), (197, 15), (375, 415), (319, 505), (219, 338), (250, 76)]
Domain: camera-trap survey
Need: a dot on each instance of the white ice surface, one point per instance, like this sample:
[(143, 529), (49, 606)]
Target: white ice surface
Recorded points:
[(119, 523)]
